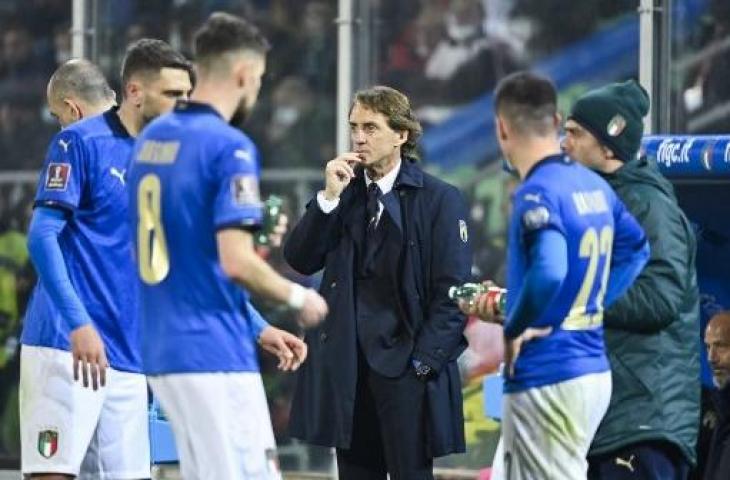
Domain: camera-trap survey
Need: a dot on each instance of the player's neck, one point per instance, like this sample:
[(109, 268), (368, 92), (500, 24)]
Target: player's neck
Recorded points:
[(532, 151), (217, 97), (130, 117)]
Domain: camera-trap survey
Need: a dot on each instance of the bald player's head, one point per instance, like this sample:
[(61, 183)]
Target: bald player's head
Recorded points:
[(717, 339), (78, 89)]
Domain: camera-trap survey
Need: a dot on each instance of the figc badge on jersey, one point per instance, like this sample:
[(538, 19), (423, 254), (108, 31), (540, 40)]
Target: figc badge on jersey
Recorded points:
[(47, 443)]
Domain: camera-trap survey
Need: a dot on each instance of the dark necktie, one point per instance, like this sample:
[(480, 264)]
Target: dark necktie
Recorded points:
[(371, 208)]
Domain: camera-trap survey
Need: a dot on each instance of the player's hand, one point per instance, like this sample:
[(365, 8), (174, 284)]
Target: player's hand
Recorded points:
[(314, 309), (512, 346), (483, 307), (276, 236), (89, 356), (338, 173), (289, 349)]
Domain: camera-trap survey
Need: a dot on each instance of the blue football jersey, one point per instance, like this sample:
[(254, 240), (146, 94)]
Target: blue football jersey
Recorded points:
[(562, 195), (85, 174), (193, 175)]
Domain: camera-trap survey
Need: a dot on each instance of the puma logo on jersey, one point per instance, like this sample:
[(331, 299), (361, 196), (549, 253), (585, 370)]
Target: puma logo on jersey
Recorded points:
[(118, 174), (532, 197), (64, 144), (626, 463)]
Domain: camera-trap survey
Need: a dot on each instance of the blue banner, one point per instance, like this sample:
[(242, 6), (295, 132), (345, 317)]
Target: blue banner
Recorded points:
[(690, 156)]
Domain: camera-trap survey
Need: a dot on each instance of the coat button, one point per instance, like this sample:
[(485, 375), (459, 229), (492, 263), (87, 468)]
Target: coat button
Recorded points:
[(333, 284), (323, 337)]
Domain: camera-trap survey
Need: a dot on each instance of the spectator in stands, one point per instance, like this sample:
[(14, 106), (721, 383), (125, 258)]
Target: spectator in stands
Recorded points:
[(19, 61), (318, 60), (717, 339), (650, 429), (300, 132), (467, 61), (23, 136)]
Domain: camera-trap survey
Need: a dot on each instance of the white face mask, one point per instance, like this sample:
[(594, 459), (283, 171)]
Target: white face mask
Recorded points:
[(285, 116)]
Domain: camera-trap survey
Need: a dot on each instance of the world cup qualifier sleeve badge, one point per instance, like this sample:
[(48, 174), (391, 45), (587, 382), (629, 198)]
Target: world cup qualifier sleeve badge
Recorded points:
[(47, 443)]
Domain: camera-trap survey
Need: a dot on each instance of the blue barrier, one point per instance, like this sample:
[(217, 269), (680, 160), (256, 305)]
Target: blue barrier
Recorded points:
[(162, 442), (685, 156)]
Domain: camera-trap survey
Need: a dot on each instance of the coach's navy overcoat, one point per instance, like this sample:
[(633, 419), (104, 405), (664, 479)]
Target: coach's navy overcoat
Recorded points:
[(435, 255)]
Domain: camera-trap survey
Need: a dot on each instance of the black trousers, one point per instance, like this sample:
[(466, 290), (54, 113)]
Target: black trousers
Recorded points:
[(388, 432), (654, 460)]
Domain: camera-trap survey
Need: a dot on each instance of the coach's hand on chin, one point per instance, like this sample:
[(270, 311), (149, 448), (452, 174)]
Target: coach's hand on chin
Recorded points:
[(289, 349), (89, 356)]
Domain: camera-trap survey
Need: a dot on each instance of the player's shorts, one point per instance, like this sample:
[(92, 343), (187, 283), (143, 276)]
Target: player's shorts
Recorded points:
[(221, 424), (546, 431), (66, 428)]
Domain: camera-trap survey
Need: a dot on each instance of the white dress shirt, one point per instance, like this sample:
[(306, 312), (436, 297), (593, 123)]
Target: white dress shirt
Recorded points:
[(385, 184)]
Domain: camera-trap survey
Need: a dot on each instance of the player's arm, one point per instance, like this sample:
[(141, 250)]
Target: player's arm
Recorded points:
[(59, 192), (546, 271), (237, 211), (644, 297), (241, 263), (450, 264), (45, 253), (318, 230)]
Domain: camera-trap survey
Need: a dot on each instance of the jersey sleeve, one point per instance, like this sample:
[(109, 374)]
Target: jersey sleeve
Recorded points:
[(62, 178), (238, 201), (537, 211)]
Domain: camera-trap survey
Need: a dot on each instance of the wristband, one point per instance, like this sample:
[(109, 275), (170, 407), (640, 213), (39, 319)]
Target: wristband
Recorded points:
[(297, 294)]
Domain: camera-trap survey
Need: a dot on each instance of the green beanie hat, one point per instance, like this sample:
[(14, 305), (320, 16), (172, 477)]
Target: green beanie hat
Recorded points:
[(613, 114)]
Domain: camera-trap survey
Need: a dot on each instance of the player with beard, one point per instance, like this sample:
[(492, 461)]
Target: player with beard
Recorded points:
[(81, 321), (194, 204)]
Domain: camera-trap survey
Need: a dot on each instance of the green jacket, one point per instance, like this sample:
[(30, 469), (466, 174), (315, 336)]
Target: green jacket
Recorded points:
[(652, 331)]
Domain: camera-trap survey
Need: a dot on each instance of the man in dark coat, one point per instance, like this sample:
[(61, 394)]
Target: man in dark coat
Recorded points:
[(650, 429), (381, 383), (717, 339)]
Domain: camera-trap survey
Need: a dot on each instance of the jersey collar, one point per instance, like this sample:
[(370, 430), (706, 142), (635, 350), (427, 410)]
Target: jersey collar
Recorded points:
[(557, 158), (190, 106), (112, 119)]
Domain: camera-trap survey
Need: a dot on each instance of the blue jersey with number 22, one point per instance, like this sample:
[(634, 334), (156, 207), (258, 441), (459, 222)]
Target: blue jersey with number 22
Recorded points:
[(568, 198)]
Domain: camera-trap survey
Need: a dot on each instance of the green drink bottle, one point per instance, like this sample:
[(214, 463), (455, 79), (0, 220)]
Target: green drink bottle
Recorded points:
[(272, 211)]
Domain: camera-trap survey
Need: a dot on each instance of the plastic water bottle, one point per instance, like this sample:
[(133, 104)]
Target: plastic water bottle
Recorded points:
[(470, 291)]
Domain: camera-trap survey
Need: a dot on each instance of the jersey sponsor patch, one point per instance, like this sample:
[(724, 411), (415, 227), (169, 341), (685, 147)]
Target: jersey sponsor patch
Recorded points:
[(57, 176), (245, 190), (535, 218)]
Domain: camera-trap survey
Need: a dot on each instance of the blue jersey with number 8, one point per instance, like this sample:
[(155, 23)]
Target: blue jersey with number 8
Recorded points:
[(193, 175), (566, 197)]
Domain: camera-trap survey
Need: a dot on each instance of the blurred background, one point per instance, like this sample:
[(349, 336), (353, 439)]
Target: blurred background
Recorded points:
[(446, 55)]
